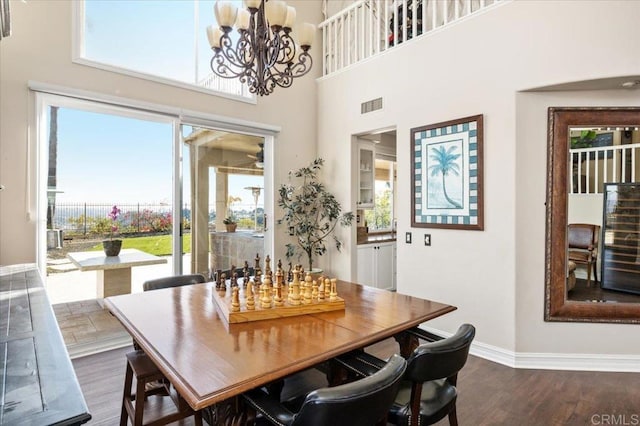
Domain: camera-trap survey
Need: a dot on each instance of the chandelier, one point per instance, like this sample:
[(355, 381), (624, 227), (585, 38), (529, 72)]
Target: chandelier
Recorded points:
[(265, 54)]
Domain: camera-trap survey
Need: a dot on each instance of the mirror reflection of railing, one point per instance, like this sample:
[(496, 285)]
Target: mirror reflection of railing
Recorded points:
[(369, 27), (594, 166)]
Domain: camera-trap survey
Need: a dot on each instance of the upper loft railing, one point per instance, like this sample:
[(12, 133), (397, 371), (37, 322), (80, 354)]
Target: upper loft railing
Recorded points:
[(592, 167), (369, 27)]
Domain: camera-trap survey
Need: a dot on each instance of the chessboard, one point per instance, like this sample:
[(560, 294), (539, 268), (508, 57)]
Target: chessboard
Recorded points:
[(251, 302)]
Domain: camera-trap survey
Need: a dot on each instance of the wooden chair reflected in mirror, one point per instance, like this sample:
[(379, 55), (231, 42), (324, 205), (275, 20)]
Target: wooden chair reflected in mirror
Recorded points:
[(582, 240)]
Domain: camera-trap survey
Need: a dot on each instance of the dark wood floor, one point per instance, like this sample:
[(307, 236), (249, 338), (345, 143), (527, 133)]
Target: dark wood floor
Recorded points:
[(594, 293), (490, 393)]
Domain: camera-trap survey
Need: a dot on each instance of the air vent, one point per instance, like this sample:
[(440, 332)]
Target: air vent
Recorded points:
[(372, 105)]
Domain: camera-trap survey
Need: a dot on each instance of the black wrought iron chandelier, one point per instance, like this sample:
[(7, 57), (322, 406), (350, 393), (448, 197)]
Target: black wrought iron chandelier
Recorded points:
[(265, 54)]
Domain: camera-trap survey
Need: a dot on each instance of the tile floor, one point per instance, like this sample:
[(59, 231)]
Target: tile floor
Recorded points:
[(87, 328)]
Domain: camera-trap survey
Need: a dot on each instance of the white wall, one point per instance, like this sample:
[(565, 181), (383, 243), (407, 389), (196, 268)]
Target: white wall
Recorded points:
[(494, 277), (40, 50), (584, 208)]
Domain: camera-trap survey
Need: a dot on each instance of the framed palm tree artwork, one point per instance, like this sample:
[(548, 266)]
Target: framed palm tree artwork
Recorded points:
[(446, 175)]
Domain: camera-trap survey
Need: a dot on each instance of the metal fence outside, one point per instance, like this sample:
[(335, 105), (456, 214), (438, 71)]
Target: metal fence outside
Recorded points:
[(91, 218), (88, 218)]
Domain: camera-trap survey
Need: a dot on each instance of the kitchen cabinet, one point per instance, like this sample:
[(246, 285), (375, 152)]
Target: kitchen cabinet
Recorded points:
[(377, 265), (366, 175)]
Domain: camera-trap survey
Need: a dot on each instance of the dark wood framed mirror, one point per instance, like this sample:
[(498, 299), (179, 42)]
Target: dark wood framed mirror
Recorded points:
[(564, 176)]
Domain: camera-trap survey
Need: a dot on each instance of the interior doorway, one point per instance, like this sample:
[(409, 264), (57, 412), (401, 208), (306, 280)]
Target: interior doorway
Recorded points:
[(380, 212), (375, 169)]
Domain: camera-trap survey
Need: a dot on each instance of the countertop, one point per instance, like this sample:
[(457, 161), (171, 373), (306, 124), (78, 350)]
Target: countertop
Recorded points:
[(378, 238)]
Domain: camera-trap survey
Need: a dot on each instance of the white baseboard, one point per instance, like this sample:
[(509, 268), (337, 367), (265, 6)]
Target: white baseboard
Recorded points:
[(579, 362), (552, 361), (493, 353)]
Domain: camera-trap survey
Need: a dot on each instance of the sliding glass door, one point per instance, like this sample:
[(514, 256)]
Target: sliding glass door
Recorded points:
[(223, 190), (96, 159), (176, 185)]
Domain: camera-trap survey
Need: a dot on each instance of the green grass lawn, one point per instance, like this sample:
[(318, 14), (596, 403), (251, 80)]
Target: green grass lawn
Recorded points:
[(159, 245)]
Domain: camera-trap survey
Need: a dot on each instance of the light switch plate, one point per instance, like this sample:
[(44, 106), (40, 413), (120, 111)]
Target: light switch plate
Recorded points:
[(407, 237), (427, 239)]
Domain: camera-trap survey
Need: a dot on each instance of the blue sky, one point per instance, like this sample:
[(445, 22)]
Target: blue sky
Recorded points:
[(171, 36), (107, 158), (110, 159)]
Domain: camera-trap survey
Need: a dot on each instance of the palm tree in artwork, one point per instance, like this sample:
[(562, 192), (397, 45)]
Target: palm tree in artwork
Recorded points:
[(445, 163)]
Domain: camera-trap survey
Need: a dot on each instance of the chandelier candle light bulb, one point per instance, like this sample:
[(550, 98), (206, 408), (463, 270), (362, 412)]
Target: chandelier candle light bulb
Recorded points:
[(252, 4), (291, 17), (225, 12), (307, 34), (265, 55), (214, 35), (276, 12), (242, 21)]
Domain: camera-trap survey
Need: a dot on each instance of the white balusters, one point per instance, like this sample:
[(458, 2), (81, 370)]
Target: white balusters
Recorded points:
[(362, 29), (608, 164)]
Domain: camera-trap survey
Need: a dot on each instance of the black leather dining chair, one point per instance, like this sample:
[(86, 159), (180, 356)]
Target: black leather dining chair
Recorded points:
[(173, 281), (363, 402), (428, 391)]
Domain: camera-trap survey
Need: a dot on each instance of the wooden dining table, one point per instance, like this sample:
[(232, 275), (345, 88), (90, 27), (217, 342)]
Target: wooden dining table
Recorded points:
[(210, 361)]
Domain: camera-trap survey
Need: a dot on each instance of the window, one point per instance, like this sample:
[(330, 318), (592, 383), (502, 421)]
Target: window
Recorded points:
[(154, 39), (381, 217)]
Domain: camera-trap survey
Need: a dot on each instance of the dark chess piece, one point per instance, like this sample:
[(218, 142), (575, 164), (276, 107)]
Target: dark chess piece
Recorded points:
[(218, 279), (267, 265), (245, 274), (257, 260), (223, 282), (290, 273)]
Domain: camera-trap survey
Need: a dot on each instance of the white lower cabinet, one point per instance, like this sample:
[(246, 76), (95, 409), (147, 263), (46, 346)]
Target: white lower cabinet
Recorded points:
[(377, 265)]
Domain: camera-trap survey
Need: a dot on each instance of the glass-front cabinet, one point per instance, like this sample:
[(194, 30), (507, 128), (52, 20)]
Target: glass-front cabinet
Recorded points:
[(366, 179), (621, 245)]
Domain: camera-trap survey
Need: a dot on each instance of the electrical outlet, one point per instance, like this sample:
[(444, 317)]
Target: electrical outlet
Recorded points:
[(427, 239), (407, 238)]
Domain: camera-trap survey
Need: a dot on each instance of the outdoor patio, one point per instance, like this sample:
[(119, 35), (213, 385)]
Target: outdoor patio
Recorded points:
[(86, 327)]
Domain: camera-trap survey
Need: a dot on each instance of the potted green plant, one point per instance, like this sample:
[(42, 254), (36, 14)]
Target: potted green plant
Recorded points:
[(230, 223), (584, 140), (311, 213)]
